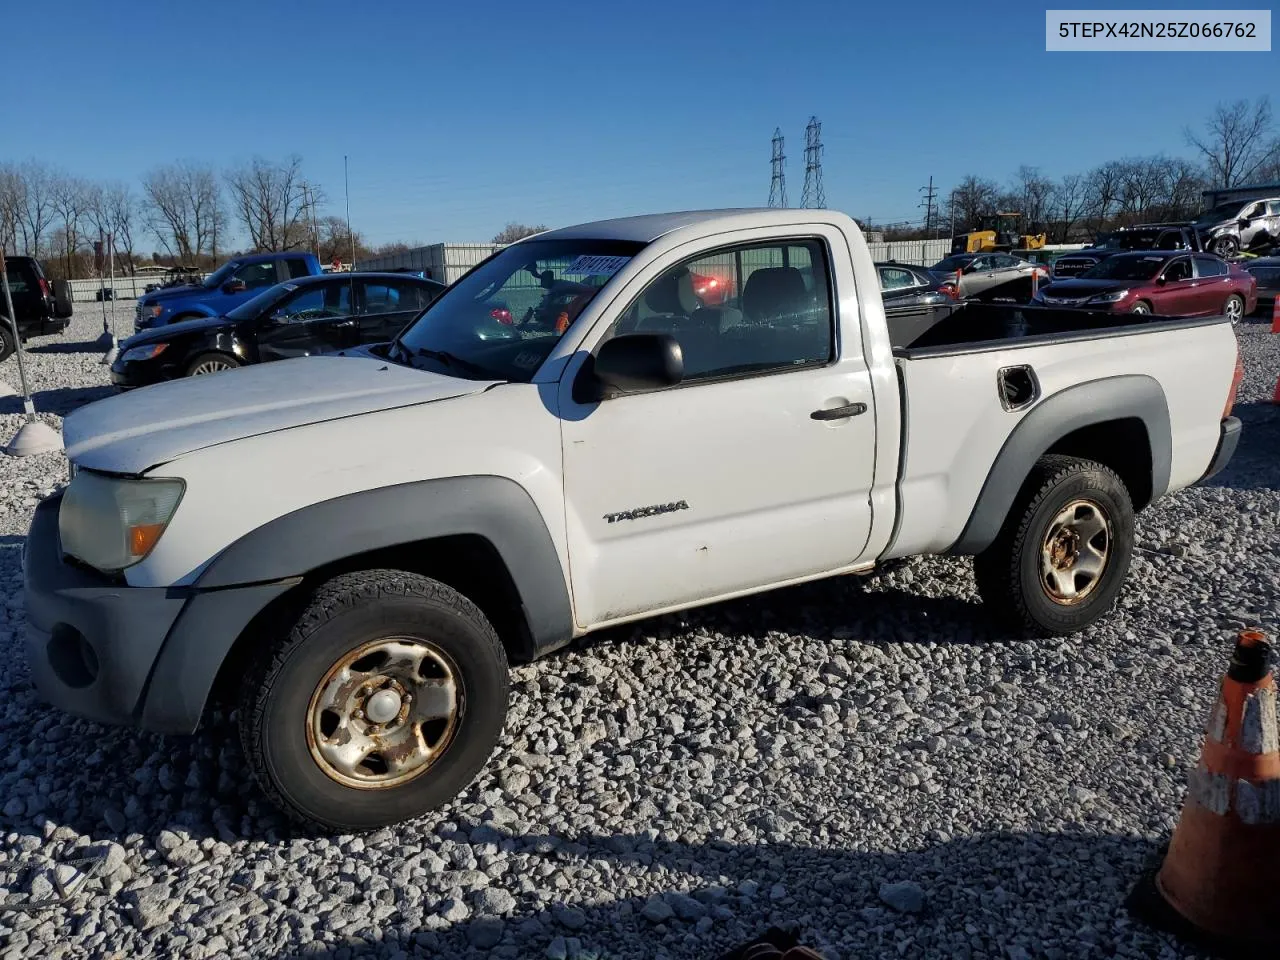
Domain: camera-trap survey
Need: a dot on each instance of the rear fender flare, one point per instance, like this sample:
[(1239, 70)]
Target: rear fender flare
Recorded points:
[(1125, 397)]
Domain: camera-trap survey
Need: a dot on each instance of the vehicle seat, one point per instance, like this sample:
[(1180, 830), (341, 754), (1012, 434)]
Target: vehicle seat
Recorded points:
[(667, 304), (772, 293)]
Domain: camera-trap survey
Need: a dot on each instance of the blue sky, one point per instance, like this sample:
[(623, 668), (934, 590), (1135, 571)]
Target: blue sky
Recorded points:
[(458, 117)]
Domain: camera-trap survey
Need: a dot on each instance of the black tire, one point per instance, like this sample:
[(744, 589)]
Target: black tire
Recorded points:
[(205, 360), (63, 307), (6, 339), (344, 615), (1008, 572), (1141, 307)]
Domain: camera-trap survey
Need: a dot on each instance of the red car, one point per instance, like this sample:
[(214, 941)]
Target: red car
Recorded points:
[(1168, 283)]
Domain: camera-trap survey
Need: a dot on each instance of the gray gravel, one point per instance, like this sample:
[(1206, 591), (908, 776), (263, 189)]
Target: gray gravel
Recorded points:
[(866, 759)]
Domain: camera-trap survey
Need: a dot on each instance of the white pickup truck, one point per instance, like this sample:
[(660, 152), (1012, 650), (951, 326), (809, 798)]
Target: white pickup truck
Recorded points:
[(597, 424)]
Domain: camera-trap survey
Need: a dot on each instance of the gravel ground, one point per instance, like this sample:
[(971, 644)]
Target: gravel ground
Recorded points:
[(864, 758)]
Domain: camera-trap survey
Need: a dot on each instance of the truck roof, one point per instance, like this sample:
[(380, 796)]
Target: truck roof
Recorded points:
[(649, 227)]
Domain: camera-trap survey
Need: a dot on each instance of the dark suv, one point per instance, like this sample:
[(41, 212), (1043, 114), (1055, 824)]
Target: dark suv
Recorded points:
[(1144, 236), (43, 309)]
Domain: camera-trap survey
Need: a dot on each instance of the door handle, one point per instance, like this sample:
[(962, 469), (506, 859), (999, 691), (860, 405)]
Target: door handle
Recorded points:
[(839, 413)]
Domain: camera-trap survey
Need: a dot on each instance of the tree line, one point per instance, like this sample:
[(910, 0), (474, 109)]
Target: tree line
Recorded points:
[(1237, 144), (184, 215)]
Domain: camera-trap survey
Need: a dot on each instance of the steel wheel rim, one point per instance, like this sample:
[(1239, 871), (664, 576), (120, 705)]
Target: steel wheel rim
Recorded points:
[(384, 713), (1234, 309), (210, 366), (1075, 552)]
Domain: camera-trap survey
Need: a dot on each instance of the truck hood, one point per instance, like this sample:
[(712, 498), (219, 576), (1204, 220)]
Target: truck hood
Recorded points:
[(172, 293), (132, 432)]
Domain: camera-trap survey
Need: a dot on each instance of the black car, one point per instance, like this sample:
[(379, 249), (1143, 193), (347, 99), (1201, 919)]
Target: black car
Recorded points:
[(903, 286), (1266, 270), (42, 308), (298, 318)]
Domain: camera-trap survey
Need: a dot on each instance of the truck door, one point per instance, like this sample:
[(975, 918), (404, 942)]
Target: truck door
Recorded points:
[(757, 468)]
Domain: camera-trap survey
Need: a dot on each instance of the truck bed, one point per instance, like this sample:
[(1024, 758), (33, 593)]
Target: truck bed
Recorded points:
[(956, 423)]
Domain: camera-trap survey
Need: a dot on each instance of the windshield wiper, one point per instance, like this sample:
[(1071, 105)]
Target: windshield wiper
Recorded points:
[(449, 360)]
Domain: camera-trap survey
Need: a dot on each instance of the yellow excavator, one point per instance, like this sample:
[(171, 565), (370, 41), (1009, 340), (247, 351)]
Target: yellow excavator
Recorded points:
[(999, 231)]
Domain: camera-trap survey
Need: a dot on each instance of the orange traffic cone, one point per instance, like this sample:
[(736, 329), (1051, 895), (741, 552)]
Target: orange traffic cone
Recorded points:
[(1217, 884)]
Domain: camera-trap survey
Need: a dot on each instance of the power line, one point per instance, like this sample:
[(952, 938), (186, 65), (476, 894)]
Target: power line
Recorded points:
[(778, 185), (813, 195)]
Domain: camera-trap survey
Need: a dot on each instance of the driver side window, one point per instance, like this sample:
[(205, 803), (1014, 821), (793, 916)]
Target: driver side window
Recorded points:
[(741, 310), (1178, 270), (331, 300)]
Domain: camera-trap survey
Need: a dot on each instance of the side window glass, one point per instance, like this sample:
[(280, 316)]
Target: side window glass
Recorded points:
[(1208, 267), (257, 275), (297, 267), (769, 308), (17, 283), (1178, 270), (386, 298), (893, 278), (301, 307)]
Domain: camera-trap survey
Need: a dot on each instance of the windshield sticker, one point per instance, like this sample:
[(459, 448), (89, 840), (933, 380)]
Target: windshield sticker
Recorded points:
[(526, 359), (597, 266)]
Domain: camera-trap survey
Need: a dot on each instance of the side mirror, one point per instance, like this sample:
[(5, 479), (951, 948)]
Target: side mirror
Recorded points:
[(234, 286), (637, 362), (1161, 280)]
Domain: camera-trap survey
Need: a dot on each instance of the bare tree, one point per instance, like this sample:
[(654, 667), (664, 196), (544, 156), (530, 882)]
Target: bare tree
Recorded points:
[(1238, 142), (184, 209), (1031, 191), (971, 200), (33, 211), (1066, 204), (274, 202), (10, 198), (335, 241), (110, 209), (1103, 186), (517, 231), (69, 196)]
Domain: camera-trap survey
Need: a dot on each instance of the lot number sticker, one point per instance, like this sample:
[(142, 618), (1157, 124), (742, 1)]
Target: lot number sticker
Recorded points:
[(597, 266)]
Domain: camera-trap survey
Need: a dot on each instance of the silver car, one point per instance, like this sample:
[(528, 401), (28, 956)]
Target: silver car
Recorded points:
[(1239, 225), (983, 273)]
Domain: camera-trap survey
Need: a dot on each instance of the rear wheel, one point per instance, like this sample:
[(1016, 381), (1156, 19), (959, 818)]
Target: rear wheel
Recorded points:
[(211, 363), (1233, 309), (1063, 554), (1225, 246), (383, 702)]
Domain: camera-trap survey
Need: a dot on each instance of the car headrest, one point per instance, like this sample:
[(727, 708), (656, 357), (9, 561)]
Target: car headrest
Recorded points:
[(772, 292), (672, 293)]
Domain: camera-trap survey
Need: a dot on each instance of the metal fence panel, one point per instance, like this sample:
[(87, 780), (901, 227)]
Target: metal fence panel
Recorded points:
[(126, 288)]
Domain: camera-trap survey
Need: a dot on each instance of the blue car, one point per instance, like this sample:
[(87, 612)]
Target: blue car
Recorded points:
[(232, 284)]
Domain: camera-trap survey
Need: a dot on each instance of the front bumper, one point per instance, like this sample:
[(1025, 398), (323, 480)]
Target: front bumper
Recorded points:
[(1228, 440), (135, 656)]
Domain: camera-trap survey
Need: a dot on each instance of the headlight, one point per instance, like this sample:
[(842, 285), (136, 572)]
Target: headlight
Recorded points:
[(1111, 297), (145, 352), (111, 522), (155, 309)]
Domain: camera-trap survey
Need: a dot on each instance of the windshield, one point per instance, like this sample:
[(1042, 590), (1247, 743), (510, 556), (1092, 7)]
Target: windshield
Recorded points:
[(951, 264), (505, 317), (1125, 268), (1223, 211), (219, 276), (259, 304)]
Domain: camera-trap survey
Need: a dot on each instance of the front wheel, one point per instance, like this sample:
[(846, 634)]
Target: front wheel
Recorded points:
[(1141, 307), (383, 702), (1063, 554), (208, 363), (1233, 309)]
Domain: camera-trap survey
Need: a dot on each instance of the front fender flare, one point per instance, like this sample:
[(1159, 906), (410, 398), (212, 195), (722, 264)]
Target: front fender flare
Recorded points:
[(272, 559)]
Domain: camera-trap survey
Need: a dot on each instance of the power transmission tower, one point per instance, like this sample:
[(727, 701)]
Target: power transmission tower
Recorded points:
[(930, 221), (778, 185), (813, 195)]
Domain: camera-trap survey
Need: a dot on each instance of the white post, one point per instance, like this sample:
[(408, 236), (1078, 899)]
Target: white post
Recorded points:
[(112, 351)]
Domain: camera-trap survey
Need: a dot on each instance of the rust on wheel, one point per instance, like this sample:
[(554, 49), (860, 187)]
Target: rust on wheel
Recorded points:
[(384, 713), (1075, 552)]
